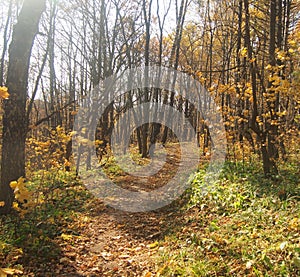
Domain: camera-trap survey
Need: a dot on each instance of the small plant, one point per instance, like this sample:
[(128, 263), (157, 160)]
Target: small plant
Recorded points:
[(23, 197), (45, 214), (238, 227)]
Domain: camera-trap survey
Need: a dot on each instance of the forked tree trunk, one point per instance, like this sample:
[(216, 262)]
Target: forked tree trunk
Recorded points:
[(14, 118)]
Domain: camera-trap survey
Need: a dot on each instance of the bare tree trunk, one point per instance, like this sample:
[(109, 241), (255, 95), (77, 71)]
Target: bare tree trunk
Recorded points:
[(14, 119), (51, 38), (174, 57), (5, 43), (260, 132), (145, 127), (155, 127), (273, 104)]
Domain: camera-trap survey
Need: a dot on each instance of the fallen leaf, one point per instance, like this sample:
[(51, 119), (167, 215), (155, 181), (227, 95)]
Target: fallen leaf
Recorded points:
[(249, 264), (124, 256), (9, 271), (64, 260), (2, 273), (116, 238), (153, 245), (106, 256), (66, 237), (283, 245)]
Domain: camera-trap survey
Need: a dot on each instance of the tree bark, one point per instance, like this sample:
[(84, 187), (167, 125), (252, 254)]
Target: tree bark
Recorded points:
[(274, 103), (5, 43), (14, 119)]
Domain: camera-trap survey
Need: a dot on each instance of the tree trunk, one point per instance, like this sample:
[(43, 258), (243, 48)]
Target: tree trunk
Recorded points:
[(174, 57), (5, 43), (14, 119), (274, 103), (145, 128)]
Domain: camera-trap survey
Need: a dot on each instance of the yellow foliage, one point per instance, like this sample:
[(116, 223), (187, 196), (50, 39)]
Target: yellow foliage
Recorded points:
[(153, 245), (269, 67), (46, 152), (292, 43), (66, 237), (22, 195), (281, 55), (294, 224), (13, 184), (244, 52), (4, 93), (21, 192)]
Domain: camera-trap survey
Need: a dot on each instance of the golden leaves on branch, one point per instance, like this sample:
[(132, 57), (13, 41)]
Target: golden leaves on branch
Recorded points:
[(4, 93), (23, 196)]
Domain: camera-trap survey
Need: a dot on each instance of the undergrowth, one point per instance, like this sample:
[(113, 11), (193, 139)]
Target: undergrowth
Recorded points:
[(33, 237), (243, 225)]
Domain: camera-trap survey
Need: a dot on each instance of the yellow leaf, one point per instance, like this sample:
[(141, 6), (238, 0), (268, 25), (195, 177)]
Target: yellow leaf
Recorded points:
[(67, 163), (9, 271), (244, 52), (292, 42), (148, 274), (269, 67), (153, 245), (294, 224), (23, 195), (4, 93), (66, 237), (2, 273), (13, 184), (98, 142), (21, 182)]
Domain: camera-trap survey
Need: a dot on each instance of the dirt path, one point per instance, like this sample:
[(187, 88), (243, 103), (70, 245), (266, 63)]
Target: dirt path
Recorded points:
[(118, 243)]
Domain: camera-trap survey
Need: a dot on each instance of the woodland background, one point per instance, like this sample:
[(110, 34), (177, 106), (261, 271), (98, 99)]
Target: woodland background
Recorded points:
[(245, 52)]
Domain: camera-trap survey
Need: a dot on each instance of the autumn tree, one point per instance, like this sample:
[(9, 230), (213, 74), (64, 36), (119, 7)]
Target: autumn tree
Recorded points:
[(14, 120)]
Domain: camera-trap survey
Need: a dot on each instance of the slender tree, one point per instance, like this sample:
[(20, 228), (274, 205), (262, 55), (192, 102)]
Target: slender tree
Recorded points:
[(14, 119)]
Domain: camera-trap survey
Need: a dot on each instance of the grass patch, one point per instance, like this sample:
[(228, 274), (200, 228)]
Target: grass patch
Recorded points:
[(244, 225), (32, 242)]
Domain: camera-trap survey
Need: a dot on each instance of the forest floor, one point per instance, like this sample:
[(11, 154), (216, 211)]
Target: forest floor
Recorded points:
[(115, 243), (89, 238), (248, 225), (119, 243)]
